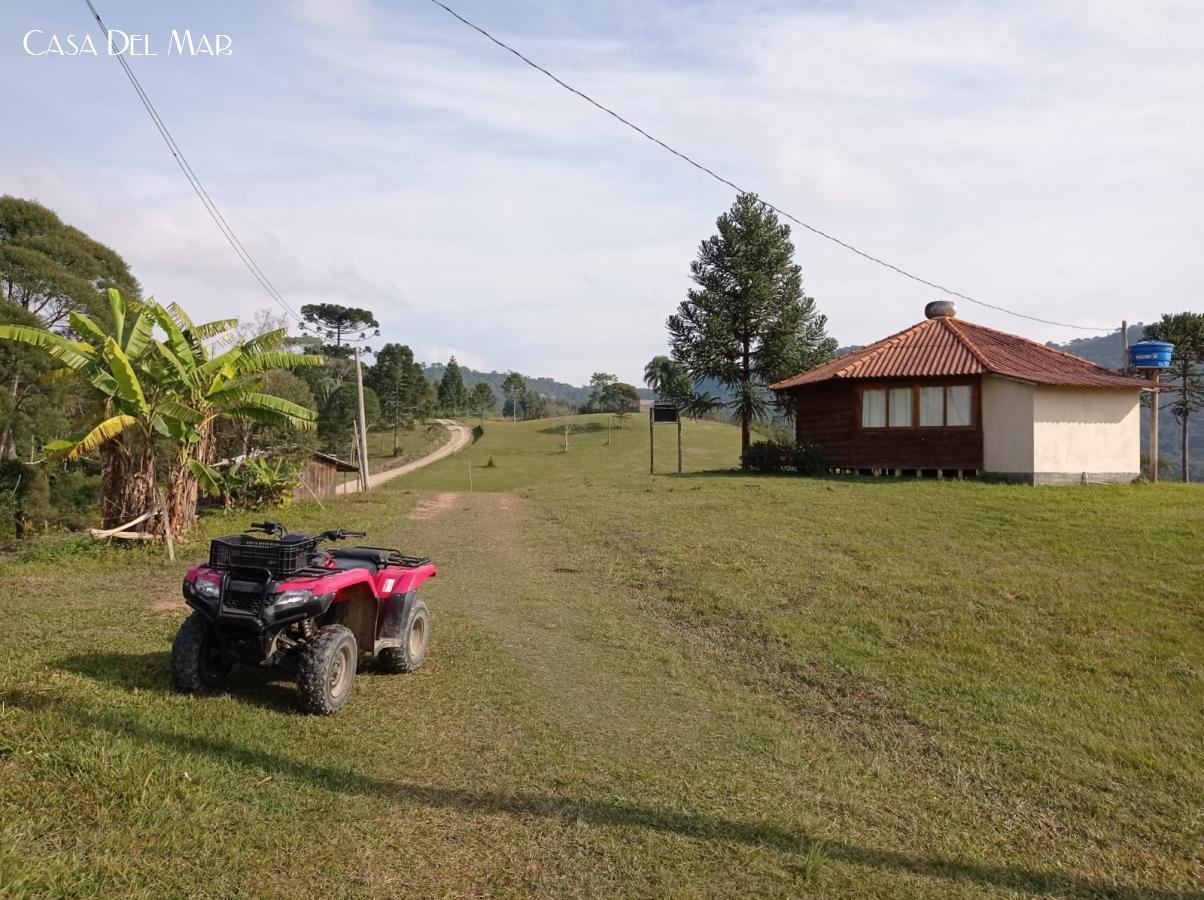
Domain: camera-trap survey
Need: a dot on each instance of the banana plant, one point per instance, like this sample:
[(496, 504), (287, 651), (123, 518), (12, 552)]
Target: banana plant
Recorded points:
[(154, 390), (212, 383), (111, 359), (106, 361)]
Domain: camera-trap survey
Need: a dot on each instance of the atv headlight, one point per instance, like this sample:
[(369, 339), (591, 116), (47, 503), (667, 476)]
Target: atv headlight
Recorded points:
[(207, 590), (292, 598)]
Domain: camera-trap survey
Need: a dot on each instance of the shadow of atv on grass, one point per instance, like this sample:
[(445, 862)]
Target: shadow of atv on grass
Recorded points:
[(268, 688)]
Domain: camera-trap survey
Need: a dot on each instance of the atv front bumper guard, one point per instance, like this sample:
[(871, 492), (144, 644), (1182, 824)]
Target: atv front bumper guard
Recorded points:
[(276, 609)]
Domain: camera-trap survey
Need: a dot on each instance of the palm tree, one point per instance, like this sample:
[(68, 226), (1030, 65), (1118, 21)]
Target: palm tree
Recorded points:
[(660, 373), (669, 380), (154, 393)]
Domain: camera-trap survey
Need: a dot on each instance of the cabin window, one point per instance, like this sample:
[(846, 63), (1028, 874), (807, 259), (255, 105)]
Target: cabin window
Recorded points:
[(958, 412), (929, 406), (900, 407), (932, 406), (873, 409)]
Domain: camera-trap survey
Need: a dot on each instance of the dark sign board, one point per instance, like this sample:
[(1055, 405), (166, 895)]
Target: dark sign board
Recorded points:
[(665, 412)]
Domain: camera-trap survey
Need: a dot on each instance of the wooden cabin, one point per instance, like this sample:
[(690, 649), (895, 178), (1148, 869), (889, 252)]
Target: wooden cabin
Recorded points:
[(949, 398)]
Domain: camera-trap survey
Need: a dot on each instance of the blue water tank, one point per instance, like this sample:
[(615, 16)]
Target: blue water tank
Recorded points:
[(1151, 355)]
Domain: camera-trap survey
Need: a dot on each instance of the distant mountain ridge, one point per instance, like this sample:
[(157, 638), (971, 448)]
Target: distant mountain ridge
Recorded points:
[(1105, 350), (549, 387)]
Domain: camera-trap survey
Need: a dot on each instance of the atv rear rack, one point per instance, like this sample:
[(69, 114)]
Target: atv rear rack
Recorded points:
[(382, 556), (397, 558)]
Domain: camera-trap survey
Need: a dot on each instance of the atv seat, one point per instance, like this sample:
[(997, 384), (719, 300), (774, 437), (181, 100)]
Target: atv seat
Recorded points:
[(366, 564), (368, 558)]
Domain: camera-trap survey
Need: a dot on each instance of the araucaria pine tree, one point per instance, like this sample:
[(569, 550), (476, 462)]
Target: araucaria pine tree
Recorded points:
[(453, 395), (400, 385), (747, 322)]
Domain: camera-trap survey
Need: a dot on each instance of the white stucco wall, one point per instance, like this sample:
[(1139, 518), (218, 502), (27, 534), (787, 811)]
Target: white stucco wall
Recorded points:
[(1092, 431), (1007, 426), (1053, 435)]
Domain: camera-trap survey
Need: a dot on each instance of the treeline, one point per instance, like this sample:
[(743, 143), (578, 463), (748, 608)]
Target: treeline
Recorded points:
[(570, 395)]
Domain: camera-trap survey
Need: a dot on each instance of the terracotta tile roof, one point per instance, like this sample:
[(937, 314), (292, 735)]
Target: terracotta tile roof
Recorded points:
[(948, 346)]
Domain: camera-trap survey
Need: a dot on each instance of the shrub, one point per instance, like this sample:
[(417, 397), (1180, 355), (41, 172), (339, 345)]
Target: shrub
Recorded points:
[(251, 482), (774, 431), (807, 459), (767, 456), (40, 497), (782, 456)]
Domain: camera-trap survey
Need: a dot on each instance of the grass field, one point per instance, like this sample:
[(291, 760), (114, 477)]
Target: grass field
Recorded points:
[(697, 686)]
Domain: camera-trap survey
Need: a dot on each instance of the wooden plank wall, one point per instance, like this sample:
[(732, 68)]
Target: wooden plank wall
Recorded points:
[(319, 475), (828, 415)]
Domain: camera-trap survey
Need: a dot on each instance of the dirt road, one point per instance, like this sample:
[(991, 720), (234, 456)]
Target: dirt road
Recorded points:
[(461, 437)]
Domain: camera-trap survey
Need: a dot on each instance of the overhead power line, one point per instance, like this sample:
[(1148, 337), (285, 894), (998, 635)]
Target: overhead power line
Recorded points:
[(722, 180), (210, 206)]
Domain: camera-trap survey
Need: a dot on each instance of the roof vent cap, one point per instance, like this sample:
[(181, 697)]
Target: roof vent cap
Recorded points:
[(940, 309)]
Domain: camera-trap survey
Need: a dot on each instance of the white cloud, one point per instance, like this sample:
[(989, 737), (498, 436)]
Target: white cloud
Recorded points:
[(833, 175), (1039, 155), (357, 16)]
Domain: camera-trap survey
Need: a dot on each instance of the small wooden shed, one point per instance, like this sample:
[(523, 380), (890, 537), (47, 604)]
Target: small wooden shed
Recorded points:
[(319, 476)]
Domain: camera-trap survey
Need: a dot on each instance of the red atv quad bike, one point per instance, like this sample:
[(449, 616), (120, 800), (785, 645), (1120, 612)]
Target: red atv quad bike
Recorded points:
[(282, 600)]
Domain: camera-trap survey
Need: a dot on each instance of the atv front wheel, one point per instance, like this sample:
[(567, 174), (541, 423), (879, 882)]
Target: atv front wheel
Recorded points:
[(326, 670), (415, 638), (198, 664)]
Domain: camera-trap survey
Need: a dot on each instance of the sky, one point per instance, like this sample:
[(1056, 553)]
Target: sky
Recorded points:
[(1042, 156)]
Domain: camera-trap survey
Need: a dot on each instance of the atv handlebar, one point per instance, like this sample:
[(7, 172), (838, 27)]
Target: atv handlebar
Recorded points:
[(275, 528), (340, 534)]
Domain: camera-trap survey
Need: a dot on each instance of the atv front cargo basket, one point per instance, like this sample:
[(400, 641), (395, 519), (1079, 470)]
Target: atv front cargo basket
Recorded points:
[(286, 556)]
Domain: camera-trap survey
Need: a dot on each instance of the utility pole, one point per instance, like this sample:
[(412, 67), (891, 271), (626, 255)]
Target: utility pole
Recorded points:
[(1124, 346), (359, 387), (1155, 399)]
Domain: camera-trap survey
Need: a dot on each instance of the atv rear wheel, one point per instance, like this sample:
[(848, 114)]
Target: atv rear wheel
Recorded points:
[(415, 638), (326, 670), (198, 664)]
